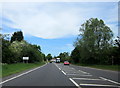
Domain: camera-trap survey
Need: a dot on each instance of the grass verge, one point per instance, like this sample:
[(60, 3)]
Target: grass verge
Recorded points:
[(105, 67), (10, 69)]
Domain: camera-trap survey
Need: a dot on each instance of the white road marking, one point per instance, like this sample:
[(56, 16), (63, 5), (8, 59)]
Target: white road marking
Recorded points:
[(74, 82), (21, 74), (72, 68), (63, 72), (59, 68), (109, 80), (85, 79), (79, 74), (84, 72), (99, 85)]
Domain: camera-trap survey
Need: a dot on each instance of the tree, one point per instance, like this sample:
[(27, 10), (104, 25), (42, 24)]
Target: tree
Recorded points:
[(94, 40), (75, 55), (33, 54), (117, 42), (64, 56), (17, 36), (49, 57), (14, 51), (7, 55)]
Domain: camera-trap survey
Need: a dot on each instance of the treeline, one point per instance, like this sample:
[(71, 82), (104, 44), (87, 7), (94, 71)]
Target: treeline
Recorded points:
[(95, 44), (65, 56), (16, 48)]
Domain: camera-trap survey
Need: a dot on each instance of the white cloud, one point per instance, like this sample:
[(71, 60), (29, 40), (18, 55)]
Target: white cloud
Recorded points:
[(48, 20)]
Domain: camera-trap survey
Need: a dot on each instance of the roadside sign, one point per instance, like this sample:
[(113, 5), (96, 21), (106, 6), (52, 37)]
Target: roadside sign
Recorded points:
[(25, 58)]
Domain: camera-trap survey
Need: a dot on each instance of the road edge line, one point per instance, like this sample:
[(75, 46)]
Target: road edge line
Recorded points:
[(21, 74)]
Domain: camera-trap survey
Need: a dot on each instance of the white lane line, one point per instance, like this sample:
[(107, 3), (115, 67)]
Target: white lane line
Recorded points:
[(85, 79), (74, 82), (100, 85), (59, 68), (84, 72), (63, 72), (109, 80), (21, 74)]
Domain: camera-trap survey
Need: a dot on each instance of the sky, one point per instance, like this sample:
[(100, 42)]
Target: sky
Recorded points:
[(55, 25)]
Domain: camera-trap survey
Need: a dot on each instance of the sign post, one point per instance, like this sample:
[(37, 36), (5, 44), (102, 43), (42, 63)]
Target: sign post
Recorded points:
[(25, 59)]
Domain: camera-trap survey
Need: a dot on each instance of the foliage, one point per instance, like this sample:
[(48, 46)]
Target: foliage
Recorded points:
[(75, 55), (117, 41), (49, 57), (31, 52), (94, 41), (64, 56), (17, 36), (7, 55), (13, 52)]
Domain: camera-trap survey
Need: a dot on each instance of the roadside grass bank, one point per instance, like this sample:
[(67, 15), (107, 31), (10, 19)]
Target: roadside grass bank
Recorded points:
[(105, 67), (9, 69)]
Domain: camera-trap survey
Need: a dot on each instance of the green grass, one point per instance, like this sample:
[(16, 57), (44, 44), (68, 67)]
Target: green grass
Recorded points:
[(105, 67), (10, 69)]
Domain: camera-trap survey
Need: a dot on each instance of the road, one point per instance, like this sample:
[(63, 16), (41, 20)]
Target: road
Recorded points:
[(58, 75)]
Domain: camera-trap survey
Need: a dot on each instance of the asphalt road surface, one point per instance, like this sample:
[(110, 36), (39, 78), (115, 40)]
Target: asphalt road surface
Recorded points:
[(59, 75)]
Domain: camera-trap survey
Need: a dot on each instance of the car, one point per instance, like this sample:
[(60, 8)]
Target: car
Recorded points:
[(66, 63)]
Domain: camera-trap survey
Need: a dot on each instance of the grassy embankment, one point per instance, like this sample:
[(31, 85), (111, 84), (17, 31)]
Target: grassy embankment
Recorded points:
[(105, 67), (9, 69)]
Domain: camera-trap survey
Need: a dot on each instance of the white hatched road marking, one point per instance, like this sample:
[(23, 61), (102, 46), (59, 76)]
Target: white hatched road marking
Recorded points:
[(99, 85), (79, 74), (84, 72), (21, 74), (109, 80), (74, 82), (101, 78), (85, 79)]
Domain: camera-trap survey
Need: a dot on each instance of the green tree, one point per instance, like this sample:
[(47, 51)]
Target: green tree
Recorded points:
[(75, 55), (94, 40), (33, 54), (64, 56), (13, 52), (49, 57), (7, 55), (17, 36), (117, 42)]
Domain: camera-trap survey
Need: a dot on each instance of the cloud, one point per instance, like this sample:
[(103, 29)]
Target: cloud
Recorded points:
[(50, 20)]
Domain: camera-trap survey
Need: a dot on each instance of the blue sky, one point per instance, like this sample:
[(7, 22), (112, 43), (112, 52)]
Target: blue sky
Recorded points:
[(55, 25)]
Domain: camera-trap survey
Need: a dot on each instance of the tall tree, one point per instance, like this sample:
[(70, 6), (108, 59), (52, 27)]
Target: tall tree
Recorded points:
[(17, 36), (75, 55), (49, 57), (94, 39), (64, 56)]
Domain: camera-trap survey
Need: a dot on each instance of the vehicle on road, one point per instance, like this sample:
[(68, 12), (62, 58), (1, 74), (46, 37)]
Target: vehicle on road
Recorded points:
[(66, 63), (57, 60)]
